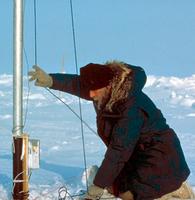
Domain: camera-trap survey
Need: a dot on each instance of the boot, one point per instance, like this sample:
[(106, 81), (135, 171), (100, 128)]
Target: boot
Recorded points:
[(184, 192)]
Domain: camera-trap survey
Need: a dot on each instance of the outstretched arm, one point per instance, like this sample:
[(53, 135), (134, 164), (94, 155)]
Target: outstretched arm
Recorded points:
[(70, 83)]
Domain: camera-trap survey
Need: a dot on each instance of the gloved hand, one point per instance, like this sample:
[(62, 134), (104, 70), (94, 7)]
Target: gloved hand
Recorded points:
[(94, 192), (41, 78)]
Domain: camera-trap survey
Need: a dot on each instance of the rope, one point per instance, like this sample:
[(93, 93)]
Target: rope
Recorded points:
[(80, 110)]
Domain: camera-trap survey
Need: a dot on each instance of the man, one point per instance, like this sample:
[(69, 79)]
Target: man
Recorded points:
[(144, 159)]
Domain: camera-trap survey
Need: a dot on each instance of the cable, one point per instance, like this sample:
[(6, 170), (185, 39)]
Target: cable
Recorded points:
[(28, 91), (63, 193), (76, 64), (62, 190), (80, 110), (28, 85)]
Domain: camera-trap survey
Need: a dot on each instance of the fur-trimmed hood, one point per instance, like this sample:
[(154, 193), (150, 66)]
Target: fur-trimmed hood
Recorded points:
[(129, 81)]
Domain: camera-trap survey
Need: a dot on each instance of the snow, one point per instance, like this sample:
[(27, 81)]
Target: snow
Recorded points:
[(3, 193), (187, 83), (6, 80), (191, 115), (58, 129), (35, 97), (181, 90), (5, 116)]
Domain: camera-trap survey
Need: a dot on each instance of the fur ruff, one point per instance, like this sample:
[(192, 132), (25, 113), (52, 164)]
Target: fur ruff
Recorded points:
[(120, 85)]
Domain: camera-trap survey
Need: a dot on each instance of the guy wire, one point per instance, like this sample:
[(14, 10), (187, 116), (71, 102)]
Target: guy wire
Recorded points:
[(76, 65), (75, 55)]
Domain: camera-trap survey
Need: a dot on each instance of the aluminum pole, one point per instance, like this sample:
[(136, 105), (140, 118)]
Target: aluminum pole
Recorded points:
[(20, 140), (18, 68)]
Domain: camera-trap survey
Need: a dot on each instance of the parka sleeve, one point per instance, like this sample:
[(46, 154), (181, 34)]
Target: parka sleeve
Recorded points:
[(123, 140), (71, 84)]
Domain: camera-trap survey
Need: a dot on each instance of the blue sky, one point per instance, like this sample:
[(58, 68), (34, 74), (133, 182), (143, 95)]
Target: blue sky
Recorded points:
[(158, 35)]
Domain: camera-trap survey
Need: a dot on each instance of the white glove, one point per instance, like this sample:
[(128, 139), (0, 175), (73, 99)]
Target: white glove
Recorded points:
[(94, 192), (41, 78)]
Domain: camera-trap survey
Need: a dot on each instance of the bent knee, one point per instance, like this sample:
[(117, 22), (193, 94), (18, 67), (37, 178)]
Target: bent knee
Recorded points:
[(126, 196)]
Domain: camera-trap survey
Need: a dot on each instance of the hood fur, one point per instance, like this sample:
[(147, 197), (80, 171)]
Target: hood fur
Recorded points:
[(128, 81), (120, 85)]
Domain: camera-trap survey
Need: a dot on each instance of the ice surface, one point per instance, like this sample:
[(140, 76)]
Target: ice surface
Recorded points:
[(59, 131)]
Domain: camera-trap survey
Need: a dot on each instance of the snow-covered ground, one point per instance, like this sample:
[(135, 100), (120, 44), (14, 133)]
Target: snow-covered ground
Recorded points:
[(60, 134)]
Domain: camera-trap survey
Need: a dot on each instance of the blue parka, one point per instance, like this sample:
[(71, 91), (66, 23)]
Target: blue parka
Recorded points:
[(143, 153)]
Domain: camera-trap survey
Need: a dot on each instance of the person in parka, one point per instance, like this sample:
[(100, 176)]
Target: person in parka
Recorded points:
[(144, 159)]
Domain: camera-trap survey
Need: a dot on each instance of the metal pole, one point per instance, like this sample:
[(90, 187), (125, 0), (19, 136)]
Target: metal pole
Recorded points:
[(20, 140), (20, 167), (18, 69)]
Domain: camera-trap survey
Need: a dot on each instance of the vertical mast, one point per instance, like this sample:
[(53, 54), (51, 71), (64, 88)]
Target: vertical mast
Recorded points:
[(18, 69), (20, 140)]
